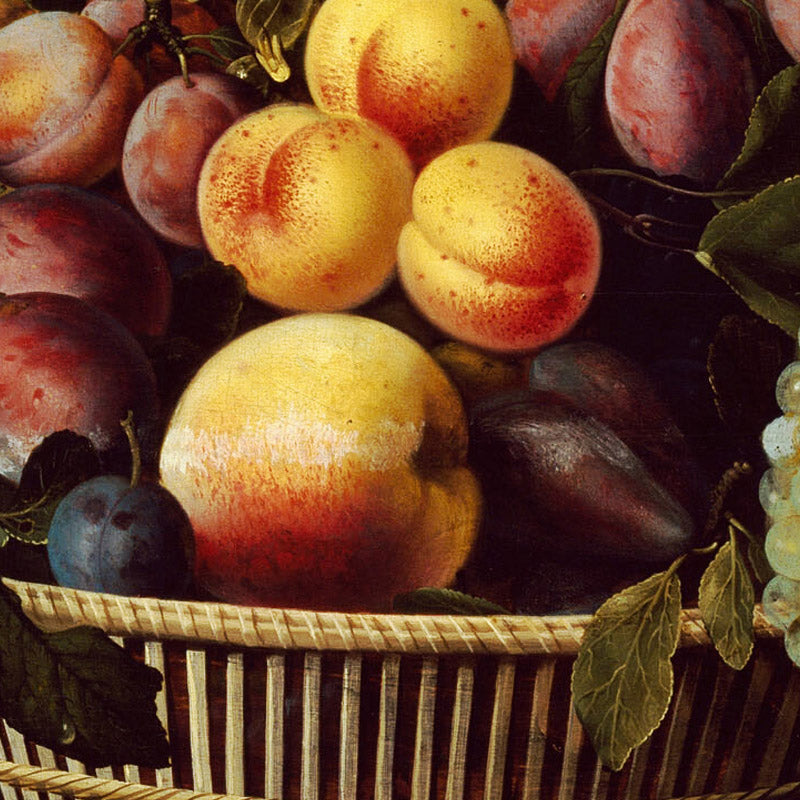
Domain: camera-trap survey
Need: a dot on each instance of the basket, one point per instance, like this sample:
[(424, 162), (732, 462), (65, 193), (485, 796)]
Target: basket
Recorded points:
[(279, 703)]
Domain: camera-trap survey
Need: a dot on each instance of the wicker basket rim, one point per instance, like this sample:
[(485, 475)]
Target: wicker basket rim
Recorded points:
[(55, 607)]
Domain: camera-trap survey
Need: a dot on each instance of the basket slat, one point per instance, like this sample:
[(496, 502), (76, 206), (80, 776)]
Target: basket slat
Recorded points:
[(572, 749), (537, 734), (47, 759), (309, 776), (154, 657), (196, 684), (600, 782), (234, 724), (275, 691), (462, 709), (387, 726), (636, 771), (19, 752), (423, 742), (348, 725), (780, 737), (498, 737)]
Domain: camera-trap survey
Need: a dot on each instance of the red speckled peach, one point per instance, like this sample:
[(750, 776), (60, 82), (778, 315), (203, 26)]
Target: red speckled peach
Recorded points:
[(167, 141), (64, 102), (503, 252), (548, 35), (308, 206), (784, 16), (434, 74), (679, 87)]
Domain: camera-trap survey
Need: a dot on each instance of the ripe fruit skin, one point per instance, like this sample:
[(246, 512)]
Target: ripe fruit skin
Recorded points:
[(548, 35), (109, 536), (503, 252), (166, 143), (64, 123), (784, 16), (308, 206), (321, 460), (433, 74), (69, 365), (679, 87), (63, 239)]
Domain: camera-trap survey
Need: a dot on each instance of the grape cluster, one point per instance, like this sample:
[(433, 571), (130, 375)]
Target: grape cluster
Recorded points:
[(779, 494)]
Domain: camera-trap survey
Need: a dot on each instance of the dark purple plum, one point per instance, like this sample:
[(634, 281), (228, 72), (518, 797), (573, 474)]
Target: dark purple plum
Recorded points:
[(109, 536)]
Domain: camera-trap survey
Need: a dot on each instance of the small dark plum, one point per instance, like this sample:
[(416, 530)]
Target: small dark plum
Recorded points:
[(110, 536)]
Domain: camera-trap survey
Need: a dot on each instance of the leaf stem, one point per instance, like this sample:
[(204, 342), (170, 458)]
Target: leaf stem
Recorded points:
[(624, 173), (136, 453)]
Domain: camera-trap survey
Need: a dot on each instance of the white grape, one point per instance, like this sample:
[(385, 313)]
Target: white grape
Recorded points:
[(774, 490), (782, 546), (780, 440), (781, 601), (787, 388)]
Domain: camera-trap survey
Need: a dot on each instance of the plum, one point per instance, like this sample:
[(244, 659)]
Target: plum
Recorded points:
[(557, 481), (110, 534), (68, 365), (679, 87), (63, 239), (784, 16)]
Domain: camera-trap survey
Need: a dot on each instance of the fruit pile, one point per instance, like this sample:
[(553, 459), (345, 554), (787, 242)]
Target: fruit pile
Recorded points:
[(357, 326)]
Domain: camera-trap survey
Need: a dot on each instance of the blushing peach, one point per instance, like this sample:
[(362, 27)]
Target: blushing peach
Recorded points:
[(11, 10), (503, 252), (63, 239), (321, 461), (308, 206), (434, 74), (65, 103), (784, 16), (117, 17), (167, 141), (679, 87)]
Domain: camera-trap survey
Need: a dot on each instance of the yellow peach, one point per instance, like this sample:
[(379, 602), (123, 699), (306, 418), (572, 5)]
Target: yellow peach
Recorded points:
[(308, 206), (322, 461), (503, 252), (434, 74)]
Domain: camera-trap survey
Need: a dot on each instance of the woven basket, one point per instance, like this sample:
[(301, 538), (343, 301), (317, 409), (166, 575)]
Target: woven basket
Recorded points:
[(280, 703)]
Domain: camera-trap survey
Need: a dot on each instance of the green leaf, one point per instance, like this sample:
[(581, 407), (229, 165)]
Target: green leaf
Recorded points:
[(770, 153), (754, 247), (62, 461), (580, 98), (78, 693), (758, 561), (444, 601), (622, 678), (228, 42), (726, 600)]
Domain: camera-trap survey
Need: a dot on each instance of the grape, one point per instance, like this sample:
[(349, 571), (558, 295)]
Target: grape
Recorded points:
[(787, 389), (774, 490), (782, 546), (781, 601), (779, 440)]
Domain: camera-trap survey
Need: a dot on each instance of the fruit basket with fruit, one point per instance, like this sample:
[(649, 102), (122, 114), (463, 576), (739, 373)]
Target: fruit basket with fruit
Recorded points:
[(399, 399)]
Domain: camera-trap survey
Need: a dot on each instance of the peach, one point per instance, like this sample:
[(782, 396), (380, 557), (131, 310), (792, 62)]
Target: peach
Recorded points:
[(167, 141), (69, 365), (63, 239), (321, 461), (679, 87), (784, 16), (434, 74), (549, 34), (117, 17), (65, 103), (503, 252), (11, 10), (308, 206)]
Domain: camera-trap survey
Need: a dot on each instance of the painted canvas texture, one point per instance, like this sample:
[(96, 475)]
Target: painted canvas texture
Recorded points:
[(380, 314)]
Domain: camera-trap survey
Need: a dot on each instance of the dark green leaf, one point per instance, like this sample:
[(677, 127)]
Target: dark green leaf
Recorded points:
[(758, 561), (444, 601), (754, 247), (229, 43), (726, 602), (622, 678), (744, 360), (580, 99), (78, 693), (770, 152), (62, 461)]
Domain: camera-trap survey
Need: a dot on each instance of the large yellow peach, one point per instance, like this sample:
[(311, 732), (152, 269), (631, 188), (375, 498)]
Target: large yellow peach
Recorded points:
[(435, 74), (322, 461), (503, 252), (308, 206)]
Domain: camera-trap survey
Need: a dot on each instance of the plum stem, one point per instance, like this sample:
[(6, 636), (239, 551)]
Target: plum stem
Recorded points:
[(720, 492), (624, 173), (136, 453)]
